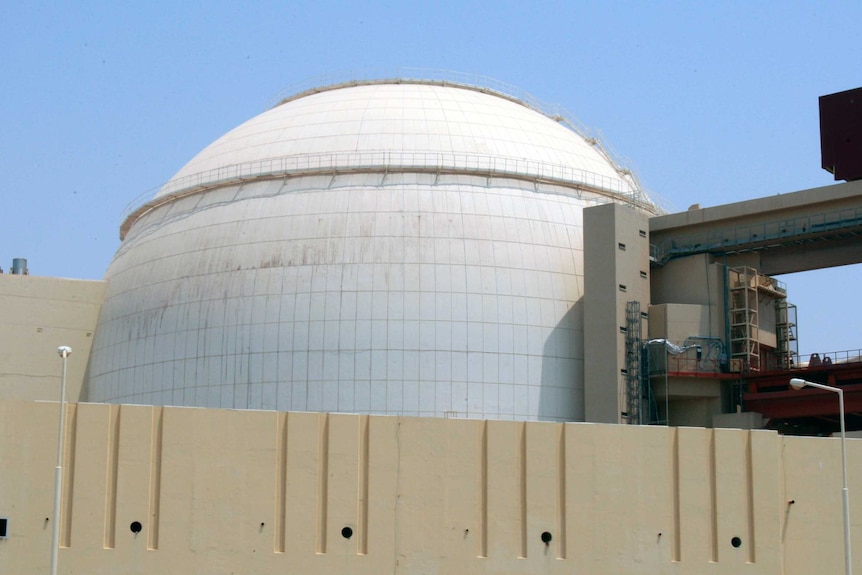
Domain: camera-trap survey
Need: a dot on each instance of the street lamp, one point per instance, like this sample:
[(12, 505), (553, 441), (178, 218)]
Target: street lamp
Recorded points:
[(65, 351), (797, 383)]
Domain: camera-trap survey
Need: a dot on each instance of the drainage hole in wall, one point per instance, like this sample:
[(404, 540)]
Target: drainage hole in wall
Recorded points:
[(347, 532), (736, 542), (135, 527), (546, 537)]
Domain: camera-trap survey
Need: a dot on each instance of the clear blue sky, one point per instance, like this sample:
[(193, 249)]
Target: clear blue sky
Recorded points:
[(709, 102)]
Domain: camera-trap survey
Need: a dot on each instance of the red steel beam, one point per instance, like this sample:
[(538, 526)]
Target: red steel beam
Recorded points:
[(806, 402), (836, 374)]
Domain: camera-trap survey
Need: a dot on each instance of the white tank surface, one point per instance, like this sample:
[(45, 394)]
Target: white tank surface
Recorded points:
[(408, 247)]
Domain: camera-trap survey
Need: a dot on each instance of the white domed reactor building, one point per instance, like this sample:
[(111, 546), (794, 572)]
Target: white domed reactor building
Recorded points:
[(389, 247)]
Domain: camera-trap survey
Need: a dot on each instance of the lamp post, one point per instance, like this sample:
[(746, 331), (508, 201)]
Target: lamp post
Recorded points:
[(65, 351), (797, 383)]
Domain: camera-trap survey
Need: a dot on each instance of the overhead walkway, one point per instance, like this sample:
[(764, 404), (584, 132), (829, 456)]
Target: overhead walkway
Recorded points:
[(784, 233), (805, 230)]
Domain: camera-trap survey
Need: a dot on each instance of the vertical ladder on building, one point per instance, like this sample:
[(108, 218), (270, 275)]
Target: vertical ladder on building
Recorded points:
[(744, 323), (785, 328), (634, 391)]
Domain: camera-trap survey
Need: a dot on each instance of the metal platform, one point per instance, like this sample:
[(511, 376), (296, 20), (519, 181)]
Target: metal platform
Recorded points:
[(770, 393)]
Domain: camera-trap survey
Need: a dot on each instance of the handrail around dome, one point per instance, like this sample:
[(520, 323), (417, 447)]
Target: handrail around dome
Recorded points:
[(412, 75), (386, 161), (626, 186), (450, 78)]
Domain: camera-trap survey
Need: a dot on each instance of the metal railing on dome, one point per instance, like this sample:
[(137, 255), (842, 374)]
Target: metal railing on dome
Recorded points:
[(437, 76), (625, 187), (388, 161)]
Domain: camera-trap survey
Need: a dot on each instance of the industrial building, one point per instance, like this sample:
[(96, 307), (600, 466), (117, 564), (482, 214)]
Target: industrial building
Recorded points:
[(397, 325)]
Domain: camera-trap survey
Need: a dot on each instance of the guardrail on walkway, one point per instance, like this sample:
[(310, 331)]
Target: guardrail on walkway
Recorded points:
[(726, 240)]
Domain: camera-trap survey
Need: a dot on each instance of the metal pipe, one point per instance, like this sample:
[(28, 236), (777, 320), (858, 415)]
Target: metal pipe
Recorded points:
[(64, 351), (848, 566), (797, 383)]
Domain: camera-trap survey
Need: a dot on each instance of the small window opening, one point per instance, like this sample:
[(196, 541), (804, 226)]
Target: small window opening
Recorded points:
[(642, 233), (622, 287), (622, 246)]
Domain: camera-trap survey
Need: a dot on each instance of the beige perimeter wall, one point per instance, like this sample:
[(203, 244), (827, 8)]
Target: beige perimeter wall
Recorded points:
[(221, 492)]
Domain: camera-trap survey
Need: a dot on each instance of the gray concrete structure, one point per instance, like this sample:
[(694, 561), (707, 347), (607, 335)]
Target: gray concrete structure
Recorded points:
[(711, 296), (712, 288), (616, 253)]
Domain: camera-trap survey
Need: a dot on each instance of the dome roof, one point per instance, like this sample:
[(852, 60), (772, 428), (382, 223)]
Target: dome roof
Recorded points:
[(410, 248), (403, 125)]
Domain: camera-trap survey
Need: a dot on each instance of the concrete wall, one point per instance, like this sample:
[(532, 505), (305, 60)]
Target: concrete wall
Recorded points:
[(677, 322), (616, 271), (692, 411), (220, 492), (693, 280), (37, 315)]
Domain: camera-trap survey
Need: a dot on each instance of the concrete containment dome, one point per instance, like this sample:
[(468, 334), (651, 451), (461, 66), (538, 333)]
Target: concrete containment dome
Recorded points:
[(396, 247)]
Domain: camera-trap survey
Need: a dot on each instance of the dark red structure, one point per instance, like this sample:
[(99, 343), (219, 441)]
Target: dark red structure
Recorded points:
[(841, 134), (770, 393)]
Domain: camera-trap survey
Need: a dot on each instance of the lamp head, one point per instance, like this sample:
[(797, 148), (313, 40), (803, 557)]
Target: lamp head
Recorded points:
[(64, 351), (797, 383)]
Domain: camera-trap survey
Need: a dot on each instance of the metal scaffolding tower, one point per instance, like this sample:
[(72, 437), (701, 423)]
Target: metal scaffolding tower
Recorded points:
[(634, 391), (785, 328), (744, 322), (746, 289)]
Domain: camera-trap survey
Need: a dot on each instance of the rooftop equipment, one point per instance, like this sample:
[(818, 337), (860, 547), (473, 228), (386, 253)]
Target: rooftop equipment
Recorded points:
[(19, 267)]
